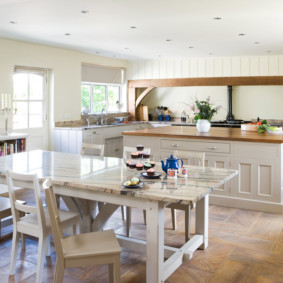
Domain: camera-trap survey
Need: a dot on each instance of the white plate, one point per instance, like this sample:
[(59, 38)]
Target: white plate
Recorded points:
[(274, 132)]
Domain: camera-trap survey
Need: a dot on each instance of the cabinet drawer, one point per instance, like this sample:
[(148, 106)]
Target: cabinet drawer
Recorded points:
[(195, 146)]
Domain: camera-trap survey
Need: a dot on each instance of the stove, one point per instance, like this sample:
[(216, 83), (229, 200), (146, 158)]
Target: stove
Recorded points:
[(229, 123)]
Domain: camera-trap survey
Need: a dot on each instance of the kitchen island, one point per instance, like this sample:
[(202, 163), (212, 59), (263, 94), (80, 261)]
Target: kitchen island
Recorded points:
[(258, 157)]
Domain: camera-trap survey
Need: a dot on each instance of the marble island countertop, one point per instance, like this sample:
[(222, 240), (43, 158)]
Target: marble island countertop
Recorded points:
[(107, 175), (228, 134)]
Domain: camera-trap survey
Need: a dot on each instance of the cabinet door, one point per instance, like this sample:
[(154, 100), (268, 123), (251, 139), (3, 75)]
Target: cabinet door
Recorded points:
[(56, 144), (257, 179), (64, 140), (217, 161), (93, 136)]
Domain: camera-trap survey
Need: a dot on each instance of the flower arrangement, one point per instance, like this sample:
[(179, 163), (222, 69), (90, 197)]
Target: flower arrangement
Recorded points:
[(204, 109)]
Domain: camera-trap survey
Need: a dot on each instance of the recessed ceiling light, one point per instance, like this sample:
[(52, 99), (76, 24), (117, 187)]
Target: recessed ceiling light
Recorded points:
[(126, 48), (113, 55), (159, 56), (210, 53), (190, 47), (84, 11), (168, 39), (241, 34), (67, 34), (257, 42), (13, 22), (133, 27), (97, 52), (268, 51), (217, 18)]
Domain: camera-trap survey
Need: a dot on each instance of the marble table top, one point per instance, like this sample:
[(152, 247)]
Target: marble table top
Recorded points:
[(107, 174)]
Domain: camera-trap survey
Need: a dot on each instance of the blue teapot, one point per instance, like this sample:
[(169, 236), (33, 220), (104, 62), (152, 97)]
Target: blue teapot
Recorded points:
[(171, 163)]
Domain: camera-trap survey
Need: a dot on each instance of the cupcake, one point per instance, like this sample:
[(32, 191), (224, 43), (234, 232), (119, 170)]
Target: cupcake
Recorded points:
[(140, 154), (135, 181), (140, 147), (139, 166), (146, 166), (150, 172), (152, 163), (132, 165), (146, 155), (135, 155), (128, 162)]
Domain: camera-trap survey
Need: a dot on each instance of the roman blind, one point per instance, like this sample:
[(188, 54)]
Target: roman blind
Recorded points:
[(101, 74)]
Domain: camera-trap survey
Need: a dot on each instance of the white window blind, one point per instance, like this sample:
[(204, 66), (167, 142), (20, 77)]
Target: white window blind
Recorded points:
[(101, 74)]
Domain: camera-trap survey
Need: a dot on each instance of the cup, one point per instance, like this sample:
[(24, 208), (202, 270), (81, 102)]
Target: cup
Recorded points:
[(172, 173), (160, 117), (183, 172), (167, 117)]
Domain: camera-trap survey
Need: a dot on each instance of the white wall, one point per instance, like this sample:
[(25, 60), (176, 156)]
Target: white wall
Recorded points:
[(64, 64), (249, 102)]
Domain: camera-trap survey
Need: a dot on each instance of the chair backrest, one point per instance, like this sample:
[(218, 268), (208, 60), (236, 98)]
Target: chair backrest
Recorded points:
[(127, 150), (191, 157), (54, 216), (28, 181), (92, 149)]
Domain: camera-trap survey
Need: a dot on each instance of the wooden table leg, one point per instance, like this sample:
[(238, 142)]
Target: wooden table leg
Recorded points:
[(202, 220), (155, 241)]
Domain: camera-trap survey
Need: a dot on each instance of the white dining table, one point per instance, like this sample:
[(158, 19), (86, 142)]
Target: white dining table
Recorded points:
[(88, 178)]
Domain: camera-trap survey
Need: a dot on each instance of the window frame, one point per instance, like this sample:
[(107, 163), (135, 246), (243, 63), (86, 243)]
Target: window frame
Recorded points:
[(106, 85), (43, 74)]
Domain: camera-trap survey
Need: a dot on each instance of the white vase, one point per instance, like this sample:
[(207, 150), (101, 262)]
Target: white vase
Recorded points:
[(203, 125)]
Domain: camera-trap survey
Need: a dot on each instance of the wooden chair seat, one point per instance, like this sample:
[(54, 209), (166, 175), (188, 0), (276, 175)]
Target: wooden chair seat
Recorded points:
[(90, 244)]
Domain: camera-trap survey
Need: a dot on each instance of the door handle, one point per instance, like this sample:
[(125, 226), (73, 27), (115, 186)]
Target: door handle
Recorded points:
[(212, 147), (175, 145)]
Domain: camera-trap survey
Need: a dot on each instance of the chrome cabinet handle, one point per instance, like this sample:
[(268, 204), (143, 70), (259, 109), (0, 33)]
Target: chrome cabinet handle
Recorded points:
[(212, 147), (94, 132), (117, 149), (175, 145)]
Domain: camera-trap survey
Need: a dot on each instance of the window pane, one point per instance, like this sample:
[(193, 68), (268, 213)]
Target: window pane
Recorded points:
[(36, 86), (20, 86), (85, 96), (20, 119), (113, 98), (35, 114), (98, 96)]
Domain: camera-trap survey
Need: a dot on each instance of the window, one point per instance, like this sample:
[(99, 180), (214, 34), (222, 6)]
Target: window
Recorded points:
[(101, 88), (28, 98), (96, 97)]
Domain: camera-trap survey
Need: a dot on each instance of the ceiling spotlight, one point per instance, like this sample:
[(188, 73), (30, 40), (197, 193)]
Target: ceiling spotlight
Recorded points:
[(159, 56), (217, 18), (114, 56), (191, 47), (133, 27), (67, 34), (126, 48), (97, 52), (268, 51), (210, 53), (257, 42), (168, 40), (13, 22), (84, 11), (241, 34)]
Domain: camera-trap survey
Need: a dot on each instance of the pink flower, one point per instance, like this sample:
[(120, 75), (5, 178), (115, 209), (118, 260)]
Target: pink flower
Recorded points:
[(197, 111)]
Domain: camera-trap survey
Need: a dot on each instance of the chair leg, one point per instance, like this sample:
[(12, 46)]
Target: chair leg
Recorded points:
[(14, 253), (187, 222), (123, 212), (48, 250), (144, 217), (117, 269), (23, 241), (59, 271), (111, 272), (76, 229), (174, 220), (42, 247), (129, 220)]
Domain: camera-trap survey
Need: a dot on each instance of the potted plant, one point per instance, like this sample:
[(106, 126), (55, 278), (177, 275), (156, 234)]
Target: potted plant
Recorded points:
[(203, 113)]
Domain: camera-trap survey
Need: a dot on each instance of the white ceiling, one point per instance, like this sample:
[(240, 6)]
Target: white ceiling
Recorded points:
[(106, 29)]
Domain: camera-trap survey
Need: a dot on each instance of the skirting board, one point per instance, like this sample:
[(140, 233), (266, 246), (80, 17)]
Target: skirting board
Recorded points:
[(256, 205)]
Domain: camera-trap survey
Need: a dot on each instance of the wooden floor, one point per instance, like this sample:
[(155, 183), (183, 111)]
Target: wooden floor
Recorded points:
[(244, 246)]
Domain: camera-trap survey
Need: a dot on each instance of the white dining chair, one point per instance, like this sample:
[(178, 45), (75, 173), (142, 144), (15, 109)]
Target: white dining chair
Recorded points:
[(189, 158), (82, 250), (36, 221)]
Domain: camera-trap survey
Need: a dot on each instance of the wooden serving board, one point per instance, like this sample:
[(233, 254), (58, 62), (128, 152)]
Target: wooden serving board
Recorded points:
[(248, 127)]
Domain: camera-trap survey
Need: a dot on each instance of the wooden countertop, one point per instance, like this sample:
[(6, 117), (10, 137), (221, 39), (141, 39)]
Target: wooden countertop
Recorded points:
[(228, 134)]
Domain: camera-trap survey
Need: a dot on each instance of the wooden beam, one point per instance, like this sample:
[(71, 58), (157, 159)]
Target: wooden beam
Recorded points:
[(211, 81), (143, 94)]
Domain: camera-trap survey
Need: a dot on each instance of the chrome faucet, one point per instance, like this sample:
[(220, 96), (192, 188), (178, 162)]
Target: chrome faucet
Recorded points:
[(88, 120)]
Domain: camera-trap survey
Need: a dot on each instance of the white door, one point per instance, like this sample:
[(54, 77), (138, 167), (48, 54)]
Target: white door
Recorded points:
[(30, 106)]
